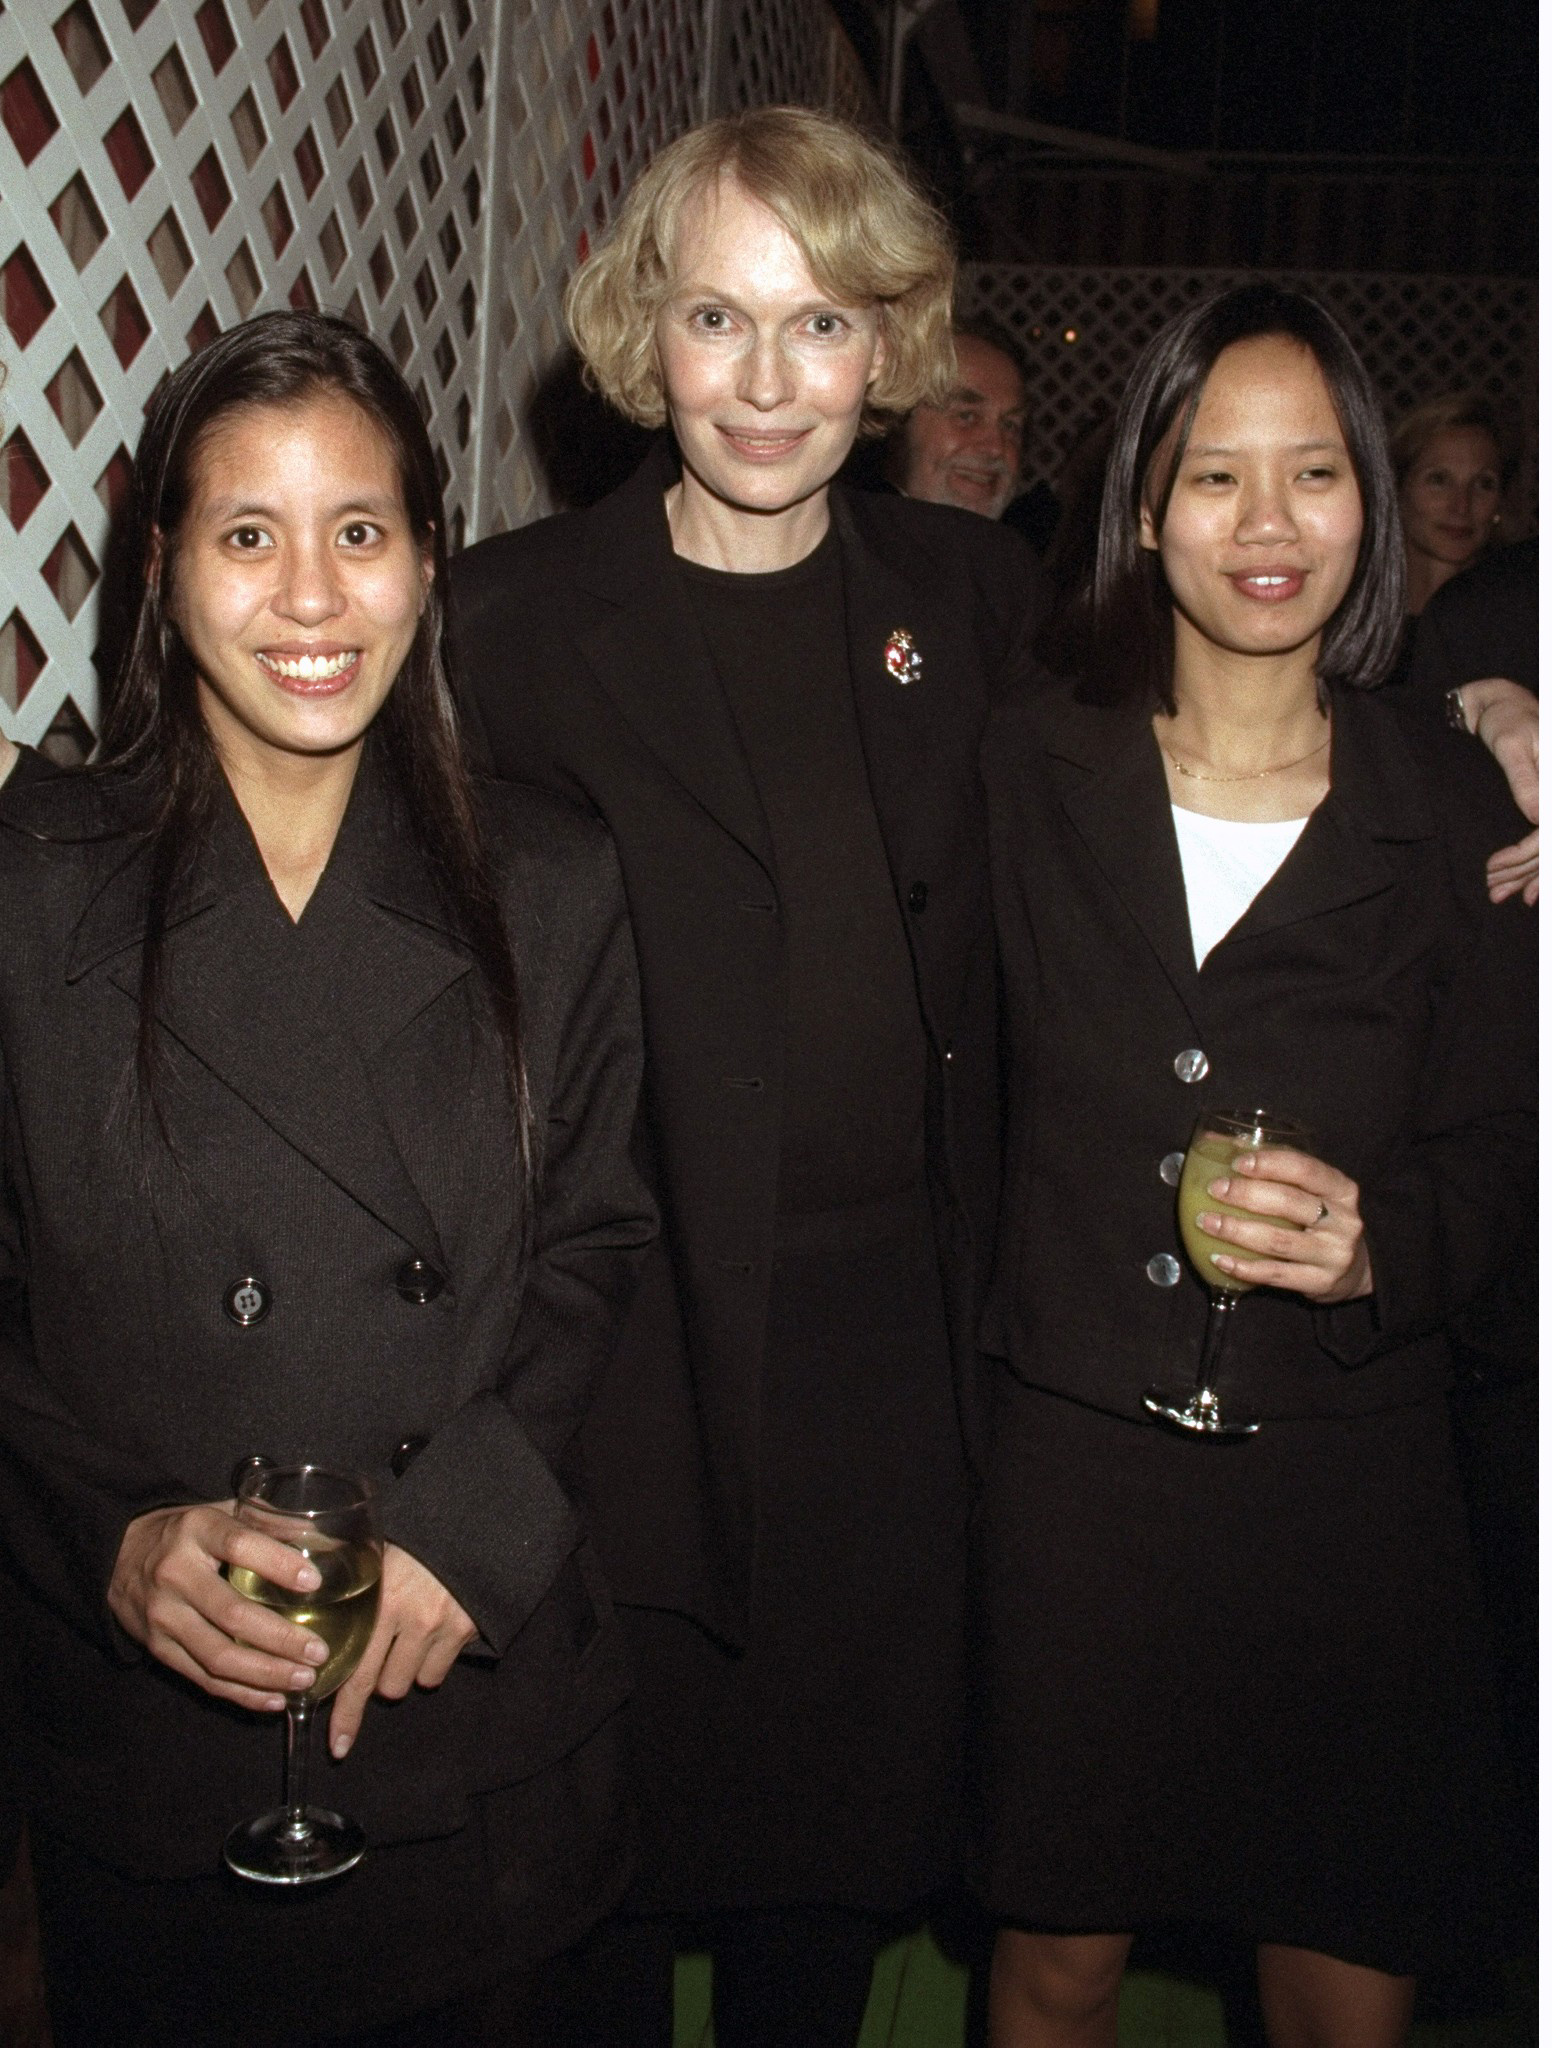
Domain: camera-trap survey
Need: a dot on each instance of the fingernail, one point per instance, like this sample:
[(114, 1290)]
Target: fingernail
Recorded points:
[(276, 1703), (340, 1745), (1206, 1220), (1221, 1259), (1247, 1164), (1217, 1187), (316, 1653), (308, 1578), (302, 1678)]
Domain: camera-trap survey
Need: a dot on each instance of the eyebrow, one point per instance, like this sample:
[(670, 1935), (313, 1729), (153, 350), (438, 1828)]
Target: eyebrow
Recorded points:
[(720, 297), (222, 509), (961, 392), (1222, 448)]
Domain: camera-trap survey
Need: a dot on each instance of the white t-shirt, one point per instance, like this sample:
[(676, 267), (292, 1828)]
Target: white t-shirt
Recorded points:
[(1226, 866)]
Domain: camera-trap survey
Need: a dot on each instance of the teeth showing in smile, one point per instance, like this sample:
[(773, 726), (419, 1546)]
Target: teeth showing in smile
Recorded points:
[(1269, 582), (311, 668)]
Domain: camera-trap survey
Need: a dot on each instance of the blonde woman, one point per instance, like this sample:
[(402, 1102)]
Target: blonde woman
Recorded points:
[(1452, 469), (772, 690)]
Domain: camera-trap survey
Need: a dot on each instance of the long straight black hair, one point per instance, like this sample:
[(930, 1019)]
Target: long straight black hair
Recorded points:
[(1130, 622), (154, 733)]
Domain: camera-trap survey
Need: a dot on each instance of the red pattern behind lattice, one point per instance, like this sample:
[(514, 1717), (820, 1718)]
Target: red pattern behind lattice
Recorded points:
[(172, 167)]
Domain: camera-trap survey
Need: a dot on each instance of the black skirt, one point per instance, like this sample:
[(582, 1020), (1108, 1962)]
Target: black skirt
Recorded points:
[(1239, 1683), (824, 1764)]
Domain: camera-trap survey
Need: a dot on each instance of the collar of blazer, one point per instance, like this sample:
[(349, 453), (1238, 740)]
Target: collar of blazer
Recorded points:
[(646, 647), (1121, 809), (293, 1017)]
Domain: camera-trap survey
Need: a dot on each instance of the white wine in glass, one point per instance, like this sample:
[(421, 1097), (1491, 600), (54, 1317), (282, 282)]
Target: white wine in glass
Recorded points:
[(343, 1610), (330, 1518), (1218, 1139), (1210, 1158)]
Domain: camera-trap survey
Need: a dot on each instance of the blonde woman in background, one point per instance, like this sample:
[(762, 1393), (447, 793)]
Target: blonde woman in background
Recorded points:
[(1452, 469)]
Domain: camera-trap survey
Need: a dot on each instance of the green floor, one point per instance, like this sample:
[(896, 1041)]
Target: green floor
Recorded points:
[(919, 2002)]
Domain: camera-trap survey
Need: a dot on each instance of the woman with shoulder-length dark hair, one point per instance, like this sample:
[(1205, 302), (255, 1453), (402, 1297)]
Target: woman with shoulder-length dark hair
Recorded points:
[(318, 1065), (1233, 1661), (772, 688)]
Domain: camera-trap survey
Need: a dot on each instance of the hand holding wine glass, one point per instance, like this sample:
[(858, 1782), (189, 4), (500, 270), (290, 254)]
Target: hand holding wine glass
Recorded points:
[(330, 1518), (1296, 1225), (170, 1593), (1256, 1210)]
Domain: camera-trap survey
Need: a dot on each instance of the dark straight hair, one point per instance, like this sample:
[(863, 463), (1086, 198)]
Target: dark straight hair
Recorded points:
[(154, 733), (1130, 613)]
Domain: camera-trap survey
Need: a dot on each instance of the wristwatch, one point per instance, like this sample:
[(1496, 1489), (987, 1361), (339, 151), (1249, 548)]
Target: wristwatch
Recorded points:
[(1455, 711)]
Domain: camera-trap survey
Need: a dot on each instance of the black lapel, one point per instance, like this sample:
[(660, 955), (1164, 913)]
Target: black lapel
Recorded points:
[(646, 648), (917, 738), (1377, 798), (1121, 812), (289, 1016)]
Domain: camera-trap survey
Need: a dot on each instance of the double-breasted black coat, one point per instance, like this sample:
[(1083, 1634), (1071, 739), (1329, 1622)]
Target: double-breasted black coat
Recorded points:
[(587, 671), (1243, 1682), (335, 1110)]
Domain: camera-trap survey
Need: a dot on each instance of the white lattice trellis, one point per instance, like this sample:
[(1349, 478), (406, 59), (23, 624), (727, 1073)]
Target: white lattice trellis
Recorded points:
[(1080, 331), (435, 168), (587, 93), (168, 169)]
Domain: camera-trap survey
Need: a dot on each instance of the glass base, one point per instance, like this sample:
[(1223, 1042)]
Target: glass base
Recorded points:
[(271, 1850), (1197, 1416)]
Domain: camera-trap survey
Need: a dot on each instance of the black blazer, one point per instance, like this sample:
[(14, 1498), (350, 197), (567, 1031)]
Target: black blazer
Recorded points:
[(586, 670), (336, 1104), (1371, 992)]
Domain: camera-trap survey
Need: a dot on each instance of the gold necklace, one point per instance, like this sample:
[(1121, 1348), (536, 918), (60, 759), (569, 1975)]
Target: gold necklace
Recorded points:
[(1196, 775)]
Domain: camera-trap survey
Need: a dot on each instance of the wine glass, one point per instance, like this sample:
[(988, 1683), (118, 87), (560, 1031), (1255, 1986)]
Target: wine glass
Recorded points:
[(1218, 1139), (331, 1519)]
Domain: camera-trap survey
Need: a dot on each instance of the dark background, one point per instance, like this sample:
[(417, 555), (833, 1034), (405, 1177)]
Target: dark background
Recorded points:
[(1410, 124)]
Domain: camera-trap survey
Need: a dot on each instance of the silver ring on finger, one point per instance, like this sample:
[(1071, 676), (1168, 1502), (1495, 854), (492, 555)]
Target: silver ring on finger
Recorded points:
[(1324, 1213)]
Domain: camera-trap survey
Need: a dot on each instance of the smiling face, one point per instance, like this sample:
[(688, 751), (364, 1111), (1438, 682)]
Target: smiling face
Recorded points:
[(764, 372), (297, 584), (1261, 535), (1451, 495), (967, 451)]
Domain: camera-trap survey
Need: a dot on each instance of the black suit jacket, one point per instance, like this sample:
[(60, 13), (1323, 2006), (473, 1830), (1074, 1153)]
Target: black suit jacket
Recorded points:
[(336, 1107), (1370, 992), (586, 670)]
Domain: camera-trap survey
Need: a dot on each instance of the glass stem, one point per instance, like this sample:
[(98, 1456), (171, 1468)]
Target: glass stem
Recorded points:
[(1223, 1304), (299, 1728)]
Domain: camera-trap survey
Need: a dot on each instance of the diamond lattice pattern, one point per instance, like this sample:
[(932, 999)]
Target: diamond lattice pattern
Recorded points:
[(1081, 329), (432, 168)]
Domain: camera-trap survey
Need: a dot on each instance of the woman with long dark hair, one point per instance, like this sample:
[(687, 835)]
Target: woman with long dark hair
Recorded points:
[(318, 1068), (1240, 1680)]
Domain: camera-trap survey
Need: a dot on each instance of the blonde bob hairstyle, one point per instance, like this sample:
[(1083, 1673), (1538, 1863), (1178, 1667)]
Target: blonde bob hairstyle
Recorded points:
[(1412, 433), (868, 236)]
